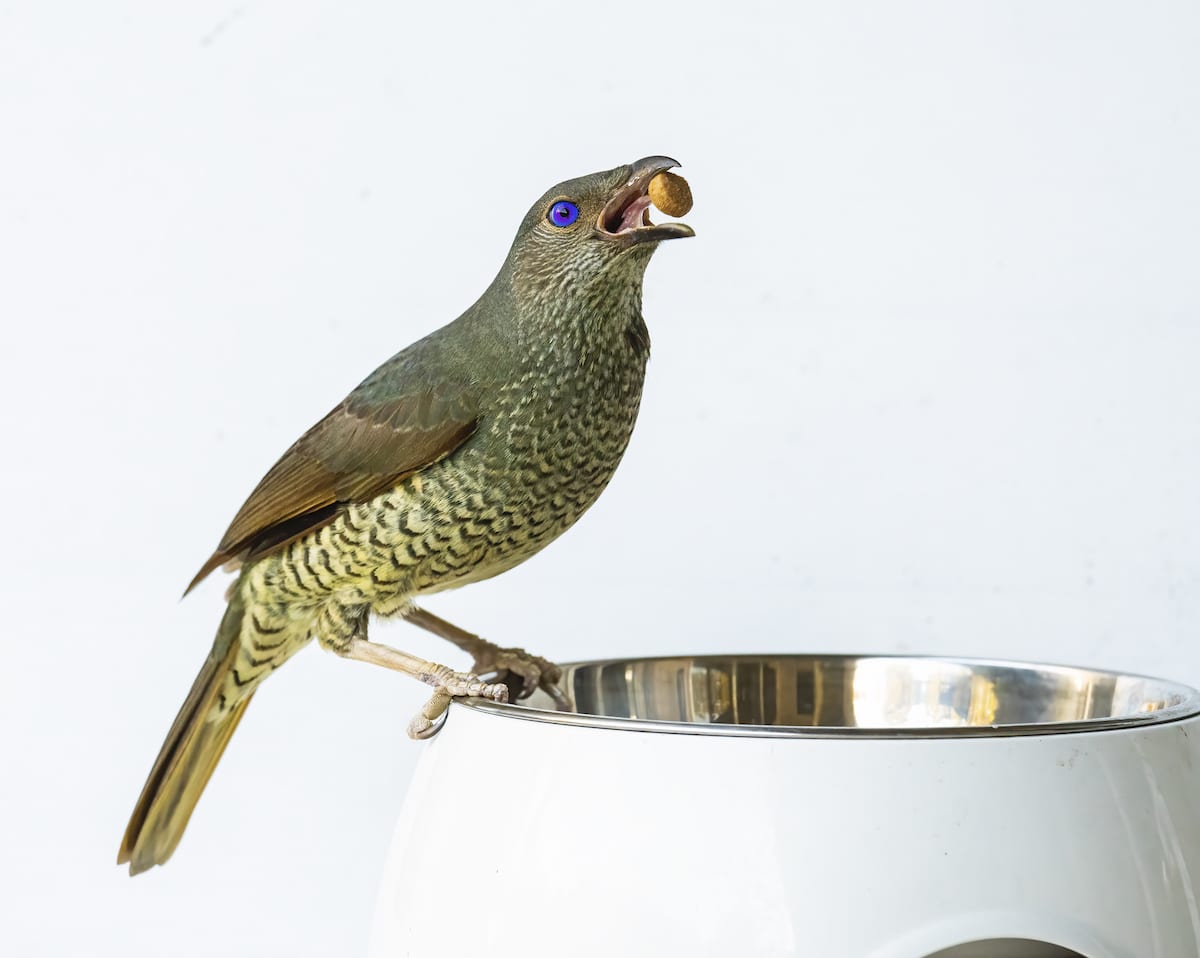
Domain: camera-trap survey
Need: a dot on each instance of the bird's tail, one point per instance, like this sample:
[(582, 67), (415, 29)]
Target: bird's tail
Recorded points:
[(193, 747)]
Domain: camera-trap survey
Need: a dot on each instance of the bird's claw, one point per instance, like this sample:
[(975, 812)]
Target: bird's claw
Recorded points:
[(533, 671), (449, 685)]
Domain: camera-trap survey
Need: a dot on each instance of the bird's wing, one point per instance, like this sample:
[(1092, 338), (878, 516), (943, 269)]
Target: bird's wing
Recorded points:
[(361, 449)]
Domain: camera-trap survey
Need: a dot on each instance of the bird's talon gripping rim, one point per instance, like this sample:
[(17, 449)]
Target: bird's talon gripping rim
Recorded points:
[(421, 728), (561, 702), (429, 721)]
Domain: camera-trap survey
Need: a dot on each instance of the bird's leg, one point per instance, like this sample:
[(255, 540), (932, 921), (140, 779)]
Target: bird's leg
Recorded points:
[(341, 627), (446, 682), (534, 671)]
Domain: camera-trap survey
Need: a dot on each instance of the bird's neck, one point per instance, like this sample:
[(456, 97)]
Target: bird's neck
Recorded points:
[(582, 324)]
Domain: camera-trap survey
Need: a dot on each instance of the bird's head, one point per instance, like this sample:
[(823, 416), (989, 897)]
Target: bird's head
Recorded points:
[(595, 228)]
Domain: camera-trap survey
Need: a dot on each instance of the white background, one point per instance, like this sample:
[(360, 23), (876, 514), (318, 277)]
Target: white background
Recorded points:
[(925, 380)]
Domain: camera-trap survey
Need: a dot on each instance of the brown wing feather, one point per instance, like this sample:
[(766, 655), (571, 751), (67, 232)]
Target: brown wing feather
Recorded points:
[(361, 449)]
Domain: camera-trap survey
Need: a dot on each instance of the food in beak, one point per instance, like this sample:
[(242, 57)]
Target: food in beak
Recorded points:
[(671, 194)]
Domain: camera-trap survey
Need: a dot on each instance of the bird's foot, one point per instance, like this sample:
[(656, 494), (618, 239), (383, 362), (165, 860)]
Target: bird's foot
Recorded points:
[(513, 667), (448, 685), (532, 671)]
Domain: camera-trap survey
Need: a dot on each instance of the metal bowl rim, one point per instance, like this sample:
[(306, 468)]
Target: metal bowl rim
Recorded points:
[(1187, 706)]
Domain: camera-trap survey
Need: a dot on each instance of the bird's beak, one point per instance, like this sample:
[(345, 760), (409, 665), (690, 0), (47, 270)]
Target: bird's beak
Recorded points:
[(626, 217)]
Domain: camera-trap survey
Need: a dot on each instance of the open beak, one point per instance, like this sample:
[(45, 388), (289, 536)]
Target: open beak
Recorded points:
[(626, 217)]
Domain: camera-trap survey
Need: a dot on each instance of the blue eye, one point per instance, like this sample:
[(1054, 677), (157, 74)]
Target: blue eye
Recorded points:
[(563, 213)]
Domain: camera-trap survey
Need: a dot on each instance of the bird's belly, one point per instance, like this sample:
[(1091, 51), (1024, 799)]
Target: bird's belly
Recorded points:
[(487, 509), (471, 529)]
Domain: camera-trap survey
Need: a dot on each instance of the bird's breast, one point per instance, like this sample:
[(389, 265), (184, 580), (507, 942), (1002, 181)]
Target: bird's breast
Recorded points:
[(539, 461), (562, 436), (546, 447)]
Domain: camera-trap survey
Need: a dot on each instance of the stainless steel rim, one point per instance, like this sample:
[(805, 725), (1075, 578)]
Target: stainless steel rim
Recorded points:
[(1145, 700)]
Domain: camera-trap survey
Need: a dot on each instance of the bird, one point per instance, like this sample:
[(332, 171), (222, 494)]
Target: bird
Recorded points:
[(457, 459)]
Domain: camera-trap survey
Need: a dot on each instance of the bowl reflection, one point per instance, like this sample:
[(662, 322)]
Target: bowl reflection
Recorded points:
[(838, 695)]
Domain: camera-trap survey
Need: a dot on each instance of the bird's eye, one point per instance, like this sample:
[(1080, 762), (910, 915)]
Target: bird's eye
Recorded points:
[(563, 213)]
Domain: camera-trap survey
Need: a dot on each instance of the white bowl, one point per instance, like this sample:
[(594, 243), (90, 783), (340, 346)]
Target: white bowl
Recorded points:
[(826, 806)]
